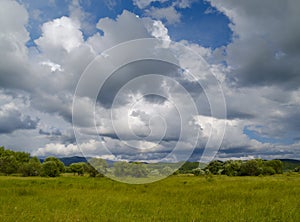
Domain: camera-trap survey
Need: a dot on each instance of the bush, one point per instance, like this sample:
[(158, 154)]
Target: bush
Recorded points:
[(198, 172), (267, 170), (215, 167), (77, 168), (60, 165), (32, 168), (50, 169)]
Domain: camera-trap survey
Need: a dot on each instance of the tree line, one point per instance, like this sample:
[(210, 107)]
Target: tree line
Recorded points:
[(13, 162), (253, 167)]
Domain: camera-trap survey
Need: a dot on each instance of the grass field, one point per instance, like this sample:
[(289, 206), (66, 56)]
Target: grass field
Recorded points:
[(177, 198)]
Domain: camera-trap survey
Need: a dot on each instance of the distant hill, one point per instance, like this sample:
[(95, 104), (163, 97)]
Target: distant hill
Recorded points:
[(69, 160), (74, 159), (289, 164)]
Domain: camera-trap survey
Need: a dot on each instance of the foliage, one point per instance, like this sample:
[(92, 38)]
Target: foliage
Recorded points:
[(16, 162), (254, 167), (60, 165), (123, 169), (78, 168), (97, 167), (232, 168), (198, 172), (188, 167), (32, 168), (215, 167), (50, 169)]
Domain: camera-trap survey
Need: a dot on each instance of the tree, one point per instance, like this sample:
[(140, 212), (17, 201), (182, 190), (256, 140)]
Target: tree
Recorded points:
[(277, 165), (215, 167), (251, 168), (78, 168), (32, 168), (100, 165), (232, 167), (50, 169), (60, 165), (267, 170), (198, 172), (8, 164), (91, 170), (138, 170)]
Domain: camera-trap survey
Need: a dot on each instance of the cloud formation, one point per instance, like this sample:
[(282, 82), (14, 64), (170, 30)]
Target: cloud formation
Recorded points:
[(258, 71)]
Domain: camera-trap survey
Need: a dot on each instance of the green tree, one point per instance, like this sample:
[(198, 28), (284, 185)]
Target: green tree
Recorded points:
[(32, 168), (91, 170), (8, 164), (50, 169), (78, 168), (277, 165), (100, 165), (59, 164), (232, 167), (267, 170), (215, 167), (138, 170), (251, 168), (198, 172)]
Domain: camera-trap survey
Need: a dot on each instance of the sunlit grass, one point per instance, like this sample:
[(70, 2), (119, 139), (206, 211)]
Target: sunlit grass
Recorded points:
[(220, 198)]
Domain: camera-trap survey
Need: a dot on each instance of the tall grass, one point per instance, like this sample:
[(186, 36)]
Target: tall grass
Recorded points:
[(220, 198)]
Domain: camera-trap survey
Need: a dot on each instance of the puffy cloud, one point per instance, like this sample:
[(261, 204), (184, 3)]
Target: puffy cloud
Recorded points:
[(114, 30), (14, 67), (265, 47), (58, 149), (169, 14), (12, 119), (60, 33)]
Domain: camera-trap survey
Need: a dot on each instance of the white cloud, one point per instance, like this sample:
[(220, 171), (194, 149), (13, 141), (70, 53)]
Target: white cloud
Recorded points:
[(53, 66), (159, 31), (60, 33), (169, 14), (58, 150)]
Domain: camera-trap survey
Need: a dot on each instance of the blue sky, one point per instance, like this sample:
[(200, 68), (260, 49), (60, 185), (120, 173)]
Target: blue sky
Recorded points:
[(248, 49), (200, 23)]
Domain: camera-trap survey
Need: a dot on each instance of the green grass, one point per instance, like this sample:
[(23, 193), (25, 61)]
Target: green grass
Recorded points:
[(220, 198)]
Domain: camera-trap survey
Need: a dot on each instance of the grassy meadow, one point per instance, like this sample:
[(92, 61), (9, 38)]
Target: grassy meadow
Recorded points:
[(177, 198)]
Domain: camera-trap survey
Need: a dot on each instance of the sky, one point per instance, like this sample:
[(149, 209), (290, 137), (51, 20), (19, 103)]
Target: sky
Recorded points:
[(222, 82)]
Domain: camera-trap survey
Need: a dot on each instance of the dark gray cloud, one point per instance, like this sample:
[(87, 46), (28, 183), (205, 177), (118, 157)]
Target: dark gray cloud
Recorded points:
[(129, 72), (11, 120), (266, 47)]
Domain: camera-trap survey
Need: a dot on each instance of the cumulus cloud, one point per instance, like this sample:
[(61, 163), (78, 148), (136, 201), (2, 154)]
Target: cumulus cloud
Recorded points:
[(11, 119), (265, 49), (169, 14), (60, 33)]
